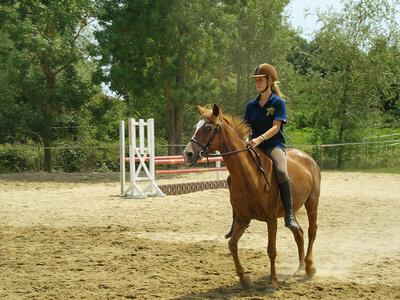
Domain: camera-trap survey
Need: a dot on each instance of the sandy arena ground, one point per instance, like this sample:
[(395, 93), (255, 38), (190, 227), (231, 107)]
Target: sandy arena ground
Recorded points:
[(64, 236)]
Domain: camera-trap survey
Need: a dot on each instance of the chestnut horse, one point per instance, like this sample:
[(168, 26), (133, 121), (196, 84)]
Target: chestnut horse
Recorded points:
[(254, 193)]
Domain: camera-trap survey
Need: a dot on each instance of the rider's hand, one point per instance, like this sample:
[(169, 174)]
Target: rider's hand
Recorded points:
[(255, 142)]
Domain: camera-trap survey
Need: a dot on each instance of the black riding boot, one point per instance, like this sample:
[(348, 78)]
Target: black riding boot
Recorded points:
[(229, 234), (286, 196)]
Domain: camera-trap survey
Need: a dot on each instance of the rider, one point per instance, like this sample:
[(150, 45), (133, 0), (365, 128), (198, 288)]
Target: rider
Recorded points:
[(266, 115)]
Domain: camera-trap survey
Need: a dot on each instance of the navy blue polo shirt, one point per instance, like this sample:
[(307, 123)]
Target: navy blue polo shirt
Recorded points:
[(261, 118)]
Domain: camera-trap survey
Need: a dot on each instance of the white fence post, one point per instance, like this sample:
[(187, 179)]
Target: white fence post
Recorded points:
[(152, 187), (122, 156), (218, 165), (144, 152)]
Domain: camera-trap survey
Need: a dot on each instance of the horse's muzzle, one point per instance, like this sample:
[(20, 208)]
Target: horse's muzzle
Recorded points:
[(189, 156)]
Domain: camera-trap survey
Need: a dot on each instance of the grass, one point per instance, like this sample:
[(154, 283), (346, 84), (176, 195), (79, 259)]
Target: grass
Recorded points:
[(386, 170), (389, 170)]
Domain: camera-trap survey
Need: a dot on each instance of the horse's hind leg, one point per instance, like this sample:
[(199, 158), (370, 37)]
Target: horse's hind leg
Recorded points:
[(311, 206), (238, 230), (299, 238)]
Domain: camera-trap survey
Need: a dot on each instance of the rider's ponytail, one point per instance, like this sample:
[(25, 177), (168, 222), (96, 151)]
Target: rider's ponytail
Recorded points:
[(275, 89)]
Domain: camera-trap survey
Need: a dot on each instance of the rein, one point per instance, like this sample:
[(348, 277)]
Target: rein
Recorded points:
[(248, 148)]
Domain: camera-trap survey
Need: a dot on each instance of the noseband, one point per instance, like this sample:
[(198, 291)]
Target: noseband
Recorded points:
[(204, 153)]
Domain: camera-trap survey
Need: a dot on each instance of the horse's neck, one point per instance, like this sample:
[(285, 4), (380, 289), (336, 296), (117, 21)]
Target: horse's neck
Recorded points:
[(232, 142), (242, 166)]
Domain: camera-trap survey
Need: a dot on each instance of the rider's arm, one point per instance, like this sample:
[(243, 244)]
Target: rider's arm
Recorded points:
[(276, 125)]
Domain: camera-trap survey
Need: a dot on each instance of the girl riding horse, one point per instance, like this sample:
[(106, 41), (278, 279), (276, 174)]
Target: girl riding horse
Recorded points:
[(266, 115)]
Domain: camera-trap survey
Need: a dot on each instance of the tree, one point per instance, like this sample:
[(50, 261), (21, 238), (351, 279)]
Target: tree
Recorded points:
[(257, 34), (18, 83), (160, 53), (384, 56), (342, 83), (50, 35), (103, 114)]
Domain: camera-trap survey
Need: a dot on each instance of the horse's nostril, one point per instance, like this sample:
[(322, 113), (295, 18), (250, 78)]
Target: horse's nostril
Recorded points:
[(187, 155)]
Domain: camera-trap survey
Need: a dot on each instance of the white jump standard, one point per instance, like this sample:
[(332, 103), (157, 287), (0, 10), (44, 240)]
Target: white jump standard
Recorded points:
[(144, 154), (142, 161)]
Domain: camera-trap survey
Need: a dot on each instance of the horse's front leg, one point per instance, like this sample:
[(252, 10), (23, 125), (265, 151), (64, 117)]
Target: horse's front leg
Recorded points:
[(272, 225), (238, 230)]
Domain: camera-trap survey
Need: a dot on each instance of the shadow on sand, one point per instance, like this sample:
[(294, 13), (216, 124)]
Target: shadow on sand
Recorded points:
[(256, 292)]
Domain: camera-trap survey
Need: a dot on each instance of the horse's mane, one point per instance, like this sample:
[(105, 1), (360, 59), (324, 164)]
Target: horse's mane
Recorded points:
[(241, 128)]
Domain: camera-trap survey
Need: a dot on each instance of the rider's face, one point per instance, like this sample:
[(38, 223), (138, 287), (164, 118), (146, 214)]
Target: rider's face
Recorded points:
[(261, 84)]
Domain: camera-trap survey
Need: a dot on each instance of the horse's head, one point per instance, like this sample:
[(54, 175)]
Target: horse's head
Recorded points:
[(203, 140)]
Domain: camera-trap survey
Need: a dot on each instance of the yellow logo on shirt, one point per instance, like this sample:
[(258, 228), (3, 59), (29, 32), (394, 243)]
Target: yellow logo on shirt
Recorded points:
[(270, 111)]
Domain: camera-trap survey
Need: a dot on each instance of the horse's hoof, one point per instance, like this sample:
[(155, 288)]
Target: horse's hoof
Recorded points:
[(310, 271), (271, 287), (246, 283), (300, 273)]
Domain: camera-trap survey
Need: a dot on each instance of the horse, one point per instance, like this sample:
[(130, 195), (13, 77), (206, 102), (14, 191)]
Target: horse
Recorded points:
[(253, 187)]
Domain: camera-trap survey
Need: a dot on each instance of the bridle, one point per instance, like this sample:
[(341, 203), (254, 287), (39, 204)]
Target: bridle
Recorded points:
[(205, 154)]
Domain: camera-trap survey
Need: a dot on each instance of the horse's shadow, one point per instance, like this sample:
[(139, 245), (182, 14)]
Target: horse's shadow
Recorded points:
[(257, 290)]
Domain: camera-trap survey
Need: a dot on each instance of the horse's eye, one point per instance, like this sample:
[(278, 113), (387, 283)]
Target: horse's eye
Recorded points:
[(208, 128)]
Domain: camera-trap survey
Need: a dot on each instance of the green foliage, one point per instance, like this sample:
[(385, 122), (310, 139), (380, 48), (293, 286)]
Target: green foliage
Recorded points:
[(256, 35), (45, 58), (71, 160), (344, 91), (14, 160), (103, 114), (386, 170), (159, 57), (86, 159), (385, 59), (165, 57)]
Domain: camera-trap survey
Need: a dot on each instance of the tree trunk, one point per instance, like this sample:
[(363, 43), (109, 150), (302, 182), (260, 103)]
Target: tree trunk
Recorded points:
[(340, 149), (169, 107), (47, 114), (48, 165), (179, 126), (343, 112), (179, 109)]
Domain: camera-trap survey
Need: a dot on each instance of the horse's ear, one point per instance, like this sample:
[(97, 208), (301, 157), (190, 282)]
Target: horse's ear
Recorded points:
[(200, 109), (216, 110)]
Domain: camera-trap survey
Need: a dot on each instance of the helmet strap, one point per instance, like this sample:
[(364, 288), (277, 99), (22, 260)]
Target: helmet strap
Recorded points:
[(266, 88)]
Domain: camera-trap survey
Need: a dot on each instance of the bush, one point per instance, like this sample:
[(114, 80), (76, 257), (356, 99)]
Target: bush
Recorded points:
[(69, 160), (17, 160), (86, 159)]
